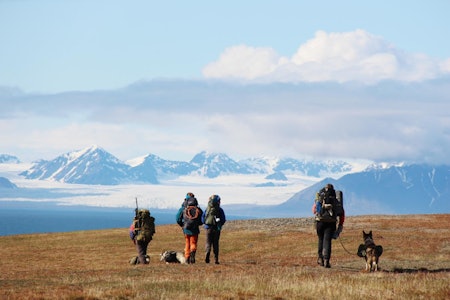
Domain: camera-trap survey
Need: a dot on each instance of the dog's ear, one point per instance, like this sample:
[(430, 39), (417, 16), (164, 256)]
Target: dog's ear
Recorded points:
[(364, 233), (370, 233)]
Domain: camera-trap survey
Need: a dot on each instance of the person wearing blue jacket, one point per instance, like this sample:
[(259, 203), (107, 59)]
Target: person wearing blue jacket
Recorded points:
[(189, 217), (213, 219)]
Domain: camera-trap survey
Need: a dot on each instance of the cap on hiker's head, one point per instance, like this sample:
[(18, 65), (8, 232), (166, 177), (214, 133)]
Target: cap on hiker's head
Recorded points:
[(216, 198), (189, 195)]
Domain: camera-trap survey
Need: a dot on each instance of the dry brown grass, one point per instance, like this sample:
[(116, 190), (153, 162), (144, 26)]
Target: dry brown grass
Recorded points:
[(260, 259)]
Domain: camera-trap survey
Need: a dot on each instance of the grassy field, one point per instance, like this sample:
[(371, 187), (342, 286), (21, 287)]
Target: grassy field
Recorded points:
[(260, 259)]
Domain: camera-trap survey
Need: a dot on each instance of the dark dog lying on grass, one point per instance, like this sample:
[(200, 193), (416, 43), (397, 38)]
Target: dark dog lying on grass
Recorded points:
[(370, 251)]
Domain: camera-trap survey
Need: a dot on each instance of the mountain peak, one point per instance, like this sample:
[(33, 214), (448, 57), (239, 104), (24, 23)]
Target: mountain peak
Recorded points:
[(94, 165), (6, 184), (10, 159)]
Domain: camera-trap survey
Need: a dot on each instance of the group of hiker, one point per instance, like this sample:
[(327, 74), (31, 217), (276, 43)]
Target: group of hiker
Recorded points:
[(327, 208), (189, 217)]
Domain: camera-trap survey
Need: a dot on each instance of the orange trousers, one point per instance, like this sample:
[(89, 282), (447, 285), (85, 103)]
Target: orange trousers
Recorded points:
[(191, 244)]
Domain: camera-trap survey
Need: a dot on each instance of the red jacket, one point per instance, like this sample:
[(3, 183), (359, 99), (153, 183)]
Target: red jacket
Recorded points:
[(132, 232)]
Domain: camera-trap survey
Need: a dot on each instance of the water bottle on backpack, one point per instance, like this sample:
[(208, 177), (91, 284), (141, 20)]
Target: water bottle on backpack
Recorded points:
[(318, 204)]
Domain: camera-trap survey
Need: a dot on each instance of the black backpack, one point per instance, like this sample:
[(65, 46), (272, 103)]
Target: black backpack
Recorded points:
[(329, 205), (339, 204), (192, 214)]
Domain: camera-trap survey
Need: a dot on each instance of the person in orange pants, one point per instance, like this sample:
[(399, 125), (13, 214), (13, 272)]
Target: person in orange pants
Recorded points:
[(189, 217)]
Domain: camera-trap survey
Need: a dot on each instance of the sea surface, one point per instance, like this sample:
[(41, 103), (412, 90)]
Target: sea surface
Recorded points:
[(44, 217)]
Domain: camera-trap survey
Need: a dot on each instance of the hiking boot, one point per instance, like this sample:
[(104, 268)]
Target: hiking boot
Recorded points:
[(320, 261), (217, 262), (134, 260), (327, 263), (207, 258), (192, 257)]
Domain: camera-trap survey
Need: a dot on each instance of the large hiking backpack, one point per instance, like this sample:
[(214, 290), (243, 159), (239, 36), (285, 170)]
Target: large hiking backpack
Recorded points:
[(145, 226), (329, 205), (192, 214), (212, 216), (339, 204)]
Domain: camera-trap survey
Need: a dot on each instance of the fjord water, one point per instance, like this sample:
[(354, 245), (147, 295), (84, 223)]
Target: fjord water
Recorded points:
[(30, 217)]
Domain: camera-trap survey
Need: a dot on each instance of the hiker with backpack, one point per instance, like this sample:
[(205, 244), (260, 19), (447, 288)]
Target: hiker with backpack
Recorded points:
[(189, 217), (213, 218), (328, 210), (142, 230)]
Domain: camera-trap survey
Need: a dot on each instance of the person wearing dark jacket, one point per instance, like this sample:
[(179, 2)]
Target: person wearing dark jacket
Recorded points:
[(141, 233), (326, 219), (213, 218), (189, 217)]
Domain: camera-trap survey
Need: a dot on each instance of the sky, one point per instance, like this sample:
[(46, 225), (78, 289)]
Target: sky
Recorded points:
[(313, 79)]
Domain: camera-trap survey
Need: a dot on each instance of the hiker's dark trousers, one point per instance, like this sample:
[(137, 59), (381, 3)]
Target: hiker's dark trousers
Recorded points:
[(325, 232), (212, 239), (141, 248)]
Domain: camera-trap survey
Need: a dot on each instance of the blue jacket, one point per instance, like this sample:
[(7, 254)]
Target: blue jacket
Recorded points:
[(221, 216)]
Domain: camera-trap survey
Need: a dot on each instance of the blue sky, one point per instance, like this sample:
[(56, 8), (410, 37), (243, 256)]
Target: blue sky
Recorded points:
[(55, 46), (243, 72)]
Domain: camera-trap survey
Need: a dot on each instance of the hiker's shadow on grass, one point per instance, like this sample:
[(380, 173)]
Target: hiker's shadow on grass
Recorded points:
[(399, 270), (417, 270)]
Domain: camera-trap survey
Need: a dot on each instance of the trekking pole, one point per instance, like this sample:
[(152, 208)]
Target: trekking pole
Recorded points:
[(137, 214)]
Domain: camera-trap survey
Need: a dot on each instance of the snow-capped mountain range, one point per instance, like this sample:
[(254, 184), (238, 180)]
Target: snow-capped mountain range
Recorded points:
[(407, 189), (274, 188), (94, 165), (6, 158)]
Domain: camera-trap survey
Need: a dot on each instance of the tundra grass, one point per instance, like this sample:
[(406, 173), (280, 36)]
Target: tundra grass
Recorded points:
[(260, 259)]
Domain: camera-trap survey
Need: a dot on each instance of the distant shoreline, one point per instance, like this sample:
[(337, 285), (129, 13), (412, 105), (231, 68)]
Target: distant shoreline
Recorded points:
[(25, 217), (28, 217)]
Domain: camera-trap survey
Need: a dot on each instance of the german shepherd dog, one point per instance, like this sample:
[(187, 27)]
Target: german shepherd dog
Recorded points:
[(370, 251), (172, 257)]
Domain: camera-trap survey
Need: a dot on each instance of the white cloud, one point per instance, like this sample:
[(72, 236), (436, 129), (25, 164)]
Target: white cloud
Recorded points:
[(339, 47), (312, 104), (342, 57), (244, 62), (445, 66)]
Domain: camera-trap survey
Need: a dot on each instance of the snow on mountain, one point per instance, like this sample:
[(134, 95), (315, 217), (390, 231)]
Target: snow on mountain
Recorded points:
[(405, 189), (212, 165), (260, 165), (10, 159), (257, 187), (310, 168), (92, 165), (163, 169), (313, 168)]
